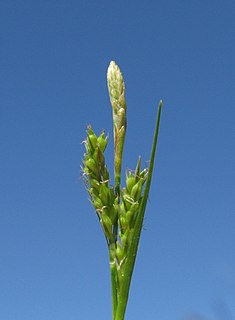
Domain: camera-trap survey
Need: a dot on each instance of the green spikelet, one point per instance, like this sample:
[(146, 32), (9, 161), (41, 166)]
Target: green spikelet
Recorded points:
[(129, 209), (96, 175)]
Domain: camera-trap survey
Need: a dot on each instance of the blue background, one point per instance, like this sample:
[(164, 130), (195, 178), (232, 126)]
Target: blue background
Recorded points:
[(54, 57)]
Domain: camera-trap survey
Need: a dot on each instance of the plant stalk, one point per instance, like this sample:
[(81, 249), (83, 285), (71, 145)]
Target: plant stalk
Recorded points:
[(113, 274), (135, 236)]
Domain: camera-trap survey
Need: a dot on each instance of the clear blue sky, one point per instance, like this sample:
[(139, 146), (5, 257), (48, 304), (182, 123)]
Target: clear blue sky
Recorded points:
[(54, 56)]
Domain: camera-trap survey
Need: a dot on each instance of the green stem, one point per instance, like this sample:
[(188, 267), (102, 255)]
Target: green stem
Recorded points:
[(135, 236), (117, 185), (113, 273)]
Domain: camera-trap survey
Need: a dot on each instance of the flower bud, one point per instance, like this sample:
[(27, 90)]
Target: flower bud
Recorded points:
[(119, 252), (107, 226), (91, 165), (94, 184), (113, 214), (124, 239), (104, 194), (97, 203), (110, 210), (126, 202), (91, 139), (102, 141), (123, 223), (93, 192), (129, 216), (136, 190), (130, 181)]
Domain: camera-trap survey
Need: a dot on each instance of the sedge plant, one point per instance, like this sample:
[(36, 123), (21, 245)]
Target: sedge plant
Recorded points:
[(120, 210)]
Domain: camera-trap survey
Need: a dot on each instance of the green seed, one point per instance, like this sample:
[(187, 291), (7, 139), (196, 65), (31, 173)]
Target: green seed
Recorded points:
[(136, 190), (123, 222), (91, 165), (92, 140), (119, 252), (97, 203), (130, 181), (107, 226), (102, 142)]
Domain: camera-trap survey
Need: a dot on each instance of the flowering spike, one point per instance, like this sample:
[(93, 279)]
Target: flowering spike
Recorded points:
[(116, 89), (120, 210)]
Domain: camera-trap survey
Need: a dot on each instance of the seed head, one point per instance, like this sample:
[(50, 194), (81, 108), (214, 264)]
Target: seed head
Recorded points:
[(116, 90)]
